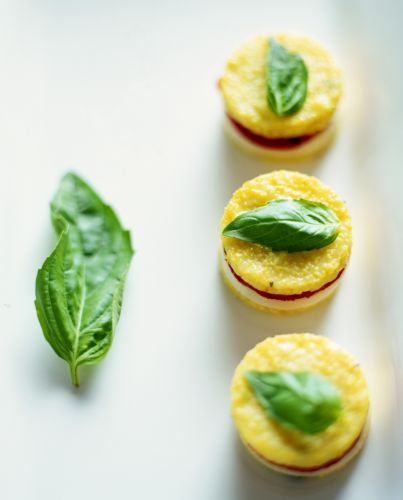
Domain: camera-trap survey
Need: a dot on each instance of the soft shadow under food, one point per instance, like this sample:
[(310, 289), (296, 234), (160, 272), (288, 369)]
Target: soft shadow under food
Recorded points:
[(246, 326), (237, 166), (53, 372)]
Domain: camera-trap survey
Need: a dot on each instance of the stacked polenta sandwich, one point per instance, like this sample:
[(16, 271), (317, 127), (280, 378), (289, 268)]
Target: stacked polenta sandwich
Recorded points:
[(280, 94), (286, 240), (300, 404)]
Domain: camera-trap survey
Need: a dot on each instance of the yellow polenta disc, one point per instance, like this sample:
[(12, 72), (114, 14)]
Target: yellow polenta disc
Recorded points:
[(300, 352), (243, 87), (283, 272)]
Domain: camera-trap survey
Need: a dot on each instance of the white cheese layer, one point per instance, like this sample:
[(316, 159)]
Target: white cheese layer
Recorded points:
[(274, 304), (308, 149), (321, 471)]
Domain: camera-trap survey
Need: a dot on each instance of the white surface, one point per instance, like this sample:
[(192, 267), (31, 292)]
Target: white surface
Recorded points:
[(125, 93)]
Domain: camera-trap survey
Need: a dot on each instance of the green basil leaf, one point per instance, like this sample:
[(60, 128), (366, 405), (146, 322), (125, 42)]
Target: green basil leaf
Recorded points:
[(304, 401), (289, 225), (286, 80), (79, 288)]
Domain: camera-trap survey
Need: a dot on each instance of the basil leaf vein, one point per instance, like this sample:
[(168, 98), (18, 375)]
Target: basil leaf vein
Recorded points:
[(303, 401), (287, 225), (79, 288), (286, 80)]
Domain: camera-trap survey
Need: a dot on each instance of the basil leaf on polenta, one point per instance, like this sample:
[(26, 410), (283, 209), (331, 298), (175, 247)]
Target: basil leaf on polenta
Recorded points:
[(287, 225), (286, 80), (304, 401)]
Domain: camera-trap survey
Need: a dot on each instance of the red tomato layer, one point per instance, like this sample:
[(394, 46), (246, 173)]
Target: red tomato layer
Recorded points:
[(279, 296), (308, 469), (266, 142)]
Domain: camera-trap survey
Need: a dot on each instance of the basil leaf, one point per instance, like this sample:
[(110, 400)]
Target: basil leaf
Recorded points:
[(289, 225), (286, 80), (304, 401), (80, 285)]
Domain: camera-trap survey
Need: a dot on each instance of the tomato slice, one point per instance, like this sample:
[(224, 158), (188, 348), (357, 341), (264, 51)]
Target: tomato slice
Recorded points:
[(279, 296), (266, 142)]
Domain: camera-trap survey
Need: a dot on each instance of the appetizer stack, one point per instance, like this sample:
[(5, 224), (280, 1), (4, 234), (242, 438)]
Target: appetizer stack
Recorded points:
[(280, 94), (300, 404), (286, 240)]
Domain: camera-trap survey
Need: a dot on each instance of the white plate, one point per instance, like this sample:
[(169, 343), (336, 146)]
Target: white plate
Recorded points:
[(125, 93)]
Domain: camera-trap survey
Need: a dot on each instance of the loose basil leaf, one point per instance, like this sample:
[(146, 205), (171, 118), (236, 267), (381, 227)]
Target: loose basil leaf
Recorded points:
[(304, 401), (286, 80), (289, 225), (79, 288)]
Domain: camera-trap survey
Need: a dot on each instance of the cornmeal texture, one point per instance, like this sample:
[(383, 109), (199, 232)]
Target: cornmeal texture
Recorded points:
[(300, 352), (283, 272), (243, 87)]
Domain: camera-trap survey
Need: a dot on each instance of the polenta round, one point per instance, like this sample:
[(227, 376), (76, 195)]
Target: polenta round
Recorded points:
[(278, 281), (292, 451), (250, 120)]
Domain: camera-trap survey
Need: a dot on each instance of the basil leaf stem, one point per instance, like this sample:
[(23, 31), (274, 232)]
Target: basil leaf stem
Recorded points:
[(286, 80), (304, 401), (287, 225), (79, 288)]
